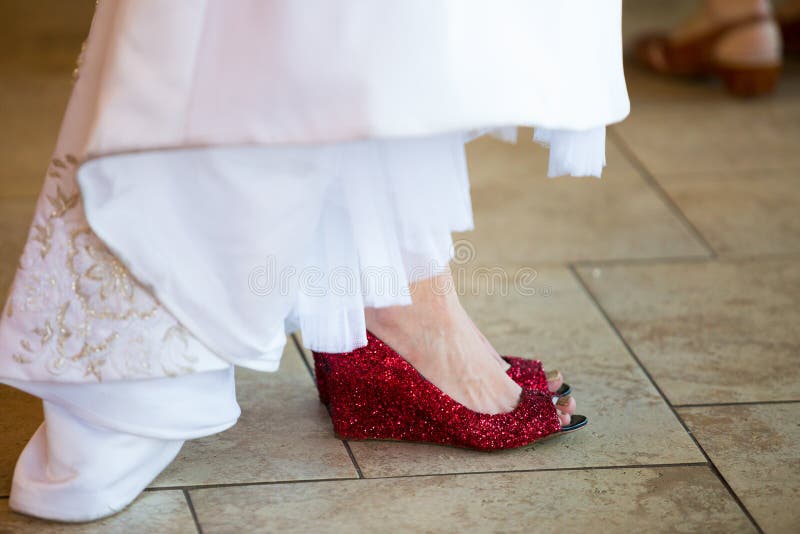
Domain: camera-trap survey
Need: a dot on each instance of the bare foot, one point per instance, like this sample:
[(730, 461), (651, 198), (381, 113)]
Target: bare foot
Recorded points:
[(438, 338)]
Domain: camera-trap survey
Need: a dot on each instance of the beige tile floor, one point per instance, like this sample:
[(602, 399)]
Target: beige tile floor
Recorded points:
[(669, 292)]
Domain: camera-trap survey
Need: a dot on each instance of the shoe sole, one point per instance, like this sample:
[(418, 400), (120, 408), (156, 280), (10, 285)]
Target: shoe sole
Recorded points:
[(572, 427)]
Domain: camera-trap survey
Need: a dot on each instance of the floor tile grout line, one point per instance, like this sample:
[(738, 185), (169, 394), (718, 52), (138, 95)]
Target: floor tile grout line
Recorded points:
[(742, 403), (666, 260), (658, 389), (709, 176), (730, 258), (190, 504), (546, 470), (648, 177), (220, 485), (423, 475), (758, 257), (352, 456), (639, 261)]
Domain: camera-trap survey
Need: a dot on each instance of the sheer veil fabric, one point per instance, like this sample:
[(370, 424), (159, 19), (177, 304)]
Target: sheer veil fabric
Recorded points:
[(229, 171)]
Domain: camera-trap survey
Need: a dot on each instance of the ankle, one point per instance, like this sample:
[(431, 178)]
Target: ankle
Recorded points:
[(434, 305), (382, 318), (437, 292)]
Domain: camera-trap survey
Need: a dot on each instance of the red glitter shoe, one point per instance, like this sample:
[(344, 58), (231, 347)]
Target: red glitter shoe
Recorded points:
[(376, 394), (529, 374)]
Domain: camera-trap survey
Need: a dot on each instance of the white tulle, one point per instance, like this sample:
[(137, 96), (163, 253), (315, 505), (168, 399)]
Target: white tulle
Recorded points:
[(265, 239), (574, 152), (268, 239)]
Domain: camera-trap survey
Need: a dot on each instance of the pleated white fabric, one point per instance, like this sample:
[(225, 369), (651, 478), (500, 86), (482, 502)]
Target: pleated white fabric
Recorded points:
[(577, 153), (572, 152), (244, 243)]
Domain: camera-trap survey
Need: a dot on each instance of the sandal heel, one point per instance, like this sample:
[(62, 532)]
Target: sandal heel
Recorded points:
[(749, 81), (376, 394)]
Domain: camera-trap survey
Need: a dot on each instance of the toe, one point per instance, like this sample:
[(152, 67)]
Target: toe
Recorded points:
[(566, 404), (554, 380), (565, 418)]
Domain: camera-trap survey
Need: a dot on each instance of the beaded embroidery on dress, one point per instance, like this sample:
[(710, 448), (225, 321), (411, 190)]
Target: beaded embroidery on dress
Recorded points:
[(75, 313)]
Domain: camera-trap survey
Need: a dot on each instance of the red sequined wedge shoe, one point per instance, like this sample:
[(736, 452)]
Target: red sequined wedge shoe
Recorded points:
[(376, 394), (529, 374)]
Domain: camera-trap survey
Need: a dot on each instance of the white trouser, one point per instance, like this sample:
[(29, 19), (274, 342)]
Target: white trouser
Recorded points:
[(100, 445)]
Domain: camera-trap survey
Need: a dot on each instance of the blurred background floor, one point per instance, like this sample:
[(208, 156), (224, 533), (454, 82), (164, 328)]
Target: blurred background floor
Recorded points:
[(668, 292)]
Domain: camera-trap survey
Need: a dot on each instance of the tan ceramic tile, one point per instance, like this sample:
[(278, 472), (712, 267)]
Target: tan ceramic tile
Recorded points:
[(284, 434), (645, 86), (723, 331), (757, 450), (725, 136), (629, 423), (15, 218), (20, 416), (43, 36), (39, 43), (742, 214), (683, 499), (32, 107), (155, 511), (523, 217)]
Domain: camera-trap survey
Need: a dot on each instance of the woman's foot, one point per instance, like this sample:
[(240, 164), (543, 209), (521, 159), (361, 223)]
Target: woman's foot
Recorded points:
[(554, 378), (737, 40), (438, 338), (376, 394)]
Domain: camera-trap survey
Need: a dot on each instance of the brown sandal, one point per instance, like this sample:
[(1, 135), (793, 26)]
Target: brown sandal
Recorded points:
[(695, 57)]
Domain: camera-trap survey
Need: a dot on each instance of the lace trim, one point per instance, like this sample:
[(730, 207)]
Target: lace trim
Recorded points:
[(74, 306)]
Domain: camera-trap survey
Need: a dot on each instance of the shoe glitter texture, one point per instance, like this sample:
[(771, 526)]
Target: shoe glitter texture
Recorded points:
[(376, 394), (529, 374)]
